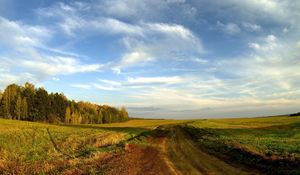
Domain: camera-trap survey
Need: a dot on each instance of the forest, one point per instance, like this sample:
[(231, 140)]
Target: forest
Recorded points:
[(36, 104)]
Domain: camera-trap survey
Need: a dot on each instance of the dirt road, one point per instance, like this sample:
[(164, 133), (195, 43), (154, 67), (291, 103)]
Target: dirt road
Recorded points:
[(172, 153), (189, 159)]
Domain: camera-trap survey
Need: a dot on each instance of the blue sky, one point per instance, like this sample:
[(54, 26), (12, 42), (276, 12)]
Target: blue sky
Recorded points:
[(158, 58)]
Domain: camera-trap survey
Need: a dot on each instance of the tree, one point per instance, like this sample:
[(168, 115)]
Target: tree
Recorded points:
[(123, 114), (5, 106), (41, 104), (29, 94), (29, 103), (24, 110), (29, 86), (58, 105), (79, 121), (18, 108), (12, 91), (9, 99), (68, 115)]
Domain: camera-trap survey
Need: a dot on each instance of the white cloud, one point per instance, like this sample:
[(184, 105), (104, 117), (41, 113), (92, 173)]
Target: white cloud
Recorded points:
[(14, 34), (58, 65), (172, 29), (116, 26), (255, 46), (229, 28), (105, 87), (110, 82), (134, 84), (265, 76), (155, 80), (251, 27), (285, 30), (143, 9), (133, 59), (271, 38), (24, 45), (199, 60), (55, 79), (145, 41), (81, 86), (159, 42), (266, 44), (20, 78), (268, 73)]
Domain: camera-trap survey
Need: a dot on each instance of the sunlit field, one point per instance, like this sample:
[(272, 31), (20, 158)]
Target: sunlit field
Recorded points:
[(270, 138), (43, 148), (151, 123), (226, 146)]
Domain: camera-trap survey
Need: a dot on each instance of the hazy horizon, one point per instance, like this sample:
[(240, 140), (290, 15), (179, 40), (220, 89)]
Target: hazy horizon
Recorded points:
[(161, 58)]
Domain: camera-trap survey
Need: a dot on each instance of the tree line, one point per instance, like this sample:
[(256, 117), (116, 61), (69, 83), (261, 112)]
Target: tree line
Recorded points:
[(295, 114), (36, 104)]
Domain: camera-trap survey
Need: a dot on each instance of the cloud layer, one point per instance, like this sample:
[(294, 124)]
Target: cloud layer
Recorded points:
[(161, 58)]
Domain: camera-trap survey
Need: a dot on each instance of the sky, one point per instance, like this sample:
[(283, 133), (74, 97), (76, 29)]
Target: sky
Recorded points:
[(159, 58)]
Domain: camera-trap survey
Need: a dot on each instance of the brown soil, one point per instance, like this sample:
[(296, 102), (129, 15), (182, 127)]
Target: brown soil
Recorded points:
[(139, 159), (175, 153)]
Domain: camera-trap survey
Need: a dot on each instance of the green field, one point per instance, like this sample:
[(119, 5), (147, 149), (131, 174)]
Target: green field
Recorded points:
[(276, 136), (253, 140), (30, 147), (267, 145)]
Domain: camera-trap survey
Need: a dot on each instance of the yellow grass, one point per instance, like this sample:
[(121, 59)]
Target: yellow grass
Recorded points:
[(145, 123)]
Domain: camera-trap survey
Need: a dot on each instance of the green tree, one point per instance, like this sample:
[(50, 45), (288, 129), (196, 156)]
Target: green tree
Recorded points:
[(68, 115), (12, 91), (5, 106), (18, 107), (10, 95), (41, 104), (29, 93), (29, 103), (58, 105), (123, 114), (24, 110)]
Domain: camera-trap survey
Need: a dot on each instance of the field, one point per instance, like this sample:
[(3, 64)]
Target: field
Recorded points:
[(36, 148), (276, 136), (269, 145)]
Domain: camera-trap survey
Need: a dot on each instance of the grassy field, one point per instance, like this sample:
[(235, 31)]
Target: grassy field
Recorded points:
[(236, 146), (266, 142), (28, 147)]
